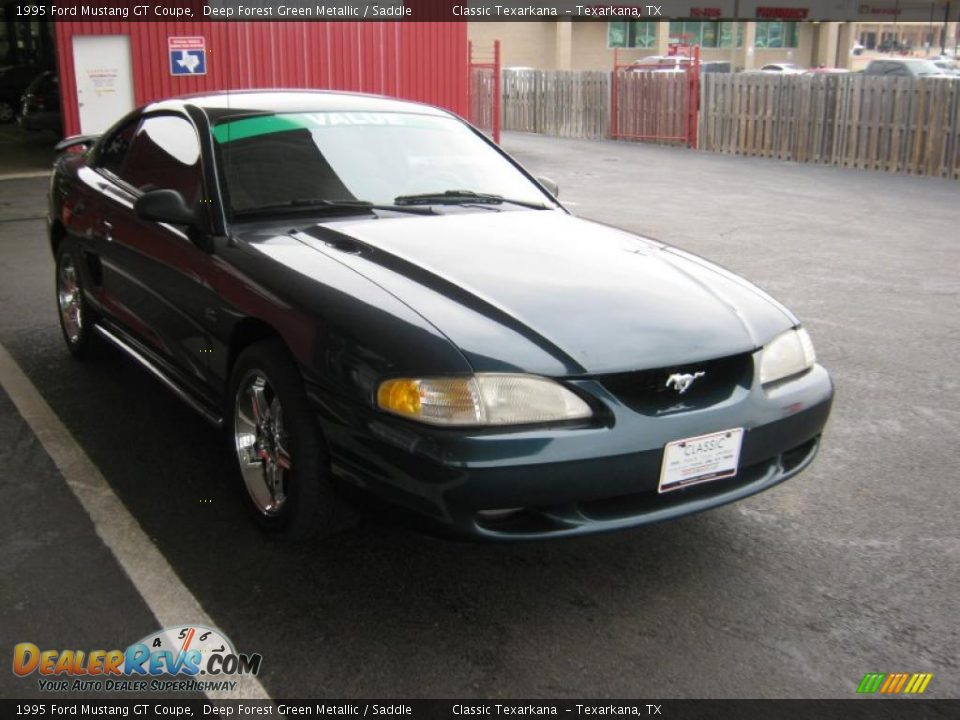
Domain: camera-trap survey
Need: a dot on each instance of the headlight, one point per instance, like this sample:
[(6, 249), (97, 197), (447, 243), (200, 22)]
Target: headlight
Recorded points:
[(481, 400), (789, 354)]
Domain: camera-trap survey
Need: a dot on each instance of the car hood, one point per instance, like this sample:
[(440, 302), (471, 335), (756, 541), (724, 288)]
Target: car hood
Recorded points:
[(546, 292)]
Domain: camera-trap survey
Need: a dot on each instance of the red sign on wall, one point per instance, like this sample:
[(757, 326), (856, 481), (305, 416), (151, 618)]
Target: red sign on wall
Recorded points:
[(879, 10), (782, 13)]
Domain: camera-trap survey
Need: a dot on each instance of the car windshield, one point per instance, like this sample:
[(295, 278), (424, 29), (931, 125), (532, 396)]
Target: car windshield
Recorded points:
[(303, 160)]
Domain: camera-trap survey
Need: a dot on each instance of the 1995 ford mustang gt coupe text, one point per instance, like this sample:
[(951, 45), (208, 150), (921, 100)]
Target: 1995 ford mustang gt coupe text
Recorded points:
[(370, 296)]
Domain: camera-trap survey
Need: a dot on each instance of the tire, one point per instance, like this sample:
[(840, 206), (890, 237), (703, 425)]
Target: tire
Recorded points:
[(76, 316), (279, 453), (7, 113)]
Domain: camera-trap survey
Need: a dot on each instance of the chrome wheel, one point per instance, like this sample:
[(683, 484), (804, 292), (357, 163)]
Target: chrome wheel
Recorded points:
[(261, 443), (70, 300)]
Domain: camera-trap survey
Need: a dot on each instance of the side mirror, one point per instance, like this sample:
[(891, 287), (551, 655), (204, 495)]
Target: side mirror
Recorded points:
[(76, 144), (166, 206), (550, 185)]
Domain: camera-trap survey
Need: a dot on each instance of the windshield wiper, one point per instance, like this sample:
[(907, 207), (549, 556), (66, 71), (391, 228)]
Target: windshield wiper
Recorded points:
[(460, 197), (326, 204)]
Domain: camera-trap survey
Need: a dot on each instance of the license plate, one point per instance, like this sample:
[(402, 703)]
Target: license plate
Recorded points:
[(700, 459)]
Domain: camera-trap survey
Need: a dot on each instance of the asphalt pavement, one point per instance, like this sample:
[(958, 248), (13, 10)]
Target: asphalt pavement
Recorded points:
[(852, 567)]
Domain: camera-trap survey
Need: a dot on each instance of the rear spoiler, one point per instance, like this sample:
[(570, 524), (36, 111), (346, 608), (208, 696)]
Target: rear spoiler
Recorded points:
[(84, 141)]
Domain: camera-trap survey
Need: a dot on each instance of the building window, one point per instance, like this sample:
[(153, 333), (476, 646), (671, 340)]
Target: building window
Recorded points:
[(708, 34), (639, 34), (776, 34)]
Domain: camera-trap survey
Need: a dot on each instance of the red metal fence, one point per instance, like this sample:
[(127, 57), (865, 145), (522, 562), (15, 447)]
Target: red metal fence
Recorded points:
[(485, 90), (421, 61), (657, 102)]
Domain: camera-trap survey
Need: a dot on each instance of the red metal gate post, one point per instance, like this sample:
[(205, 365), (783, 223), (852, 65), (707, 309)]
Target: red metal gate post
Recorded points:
[(694, 101), (470, 80), (614, 96), (497, 95)]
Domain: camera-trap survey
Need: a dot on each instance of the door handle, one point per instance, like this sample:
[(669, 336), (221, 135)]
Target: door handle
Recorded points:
[(107, 228)]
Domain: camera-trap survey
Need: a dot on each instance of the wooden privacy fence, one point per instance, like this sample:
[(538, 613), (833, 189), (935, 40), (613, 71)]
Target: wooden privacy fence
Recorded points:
[(485, 94), (481, 99), (562, 103), (902, 125)]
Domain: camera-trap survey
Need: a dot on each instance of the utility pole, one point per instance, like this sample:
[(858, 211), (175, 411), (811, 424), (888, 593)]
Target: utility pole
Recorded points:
[(946, 25), (734, 34)]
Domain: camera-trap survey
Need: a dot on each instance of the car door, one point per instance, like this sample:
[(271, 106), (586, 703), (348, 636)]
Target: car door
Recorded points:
[(157, 282)]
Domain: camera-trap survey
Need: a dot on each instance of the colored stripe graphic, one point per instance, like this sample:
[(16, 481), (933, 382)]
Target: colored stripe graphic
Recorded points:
[(895, 683), (901, 680), (871, 682)]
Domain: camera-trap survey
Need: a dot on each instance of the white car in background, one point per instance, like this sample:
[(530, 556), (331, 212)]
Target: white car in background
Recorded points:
[(783, 68)]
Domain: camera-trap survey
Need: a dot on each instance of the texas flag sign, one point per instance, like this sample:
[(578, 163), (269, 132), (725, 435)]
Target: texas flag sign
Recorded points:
[(188, 55)]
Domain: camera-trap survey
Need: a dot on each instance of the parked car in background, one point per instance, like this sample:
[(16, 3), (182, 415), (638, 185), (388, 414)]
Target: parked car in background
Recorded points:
[(903, 67), (40, 106), (678, 63), (660, 62), (947, 65), (369, 296), (784, 68), (716, 66), (14, 80)]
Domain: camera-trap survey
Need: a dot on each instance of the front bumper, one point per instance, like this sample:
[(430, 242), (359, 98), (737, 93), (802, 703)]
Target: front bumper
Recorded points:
[(554, 482)]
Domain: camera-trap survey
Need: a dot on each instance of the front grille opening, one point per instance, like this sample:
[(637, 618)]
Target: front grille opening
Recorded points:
[(540, 520), (646, 391), (629, 505)]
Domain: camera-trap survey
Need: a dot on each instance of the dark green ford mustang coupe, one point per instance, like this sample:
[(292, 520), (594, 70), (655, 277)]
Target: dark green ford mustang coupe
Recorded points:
[(367, 295)]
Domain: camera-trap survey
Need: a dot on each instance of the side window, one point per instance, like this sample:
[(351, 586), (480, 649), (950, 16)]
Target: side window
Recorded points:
[(165, 153), (115, 147)]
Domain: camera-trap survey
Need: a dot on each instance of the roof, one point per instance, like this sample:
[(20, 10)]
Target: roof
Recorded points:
[(244, 102)]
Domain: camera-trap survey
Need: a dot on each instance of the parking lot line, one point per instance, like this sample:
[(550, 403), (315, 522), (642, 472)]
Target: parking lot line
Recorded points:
[(25, 175), (167, 597)]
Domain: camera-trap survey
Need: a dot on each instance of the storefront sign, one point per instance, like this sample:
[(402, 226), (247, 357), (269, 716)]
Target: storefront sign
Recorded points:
[(782, 13)]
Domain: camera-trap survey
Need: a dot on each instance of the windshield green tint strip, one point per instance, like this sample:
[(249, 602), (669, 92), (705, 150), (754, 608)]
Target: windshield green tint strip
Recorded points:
[(263, 125)]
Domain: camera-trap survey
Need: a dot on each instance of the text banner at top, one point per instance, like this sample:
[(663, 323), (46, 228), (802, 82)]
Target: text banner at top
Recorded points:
[(487, 10)]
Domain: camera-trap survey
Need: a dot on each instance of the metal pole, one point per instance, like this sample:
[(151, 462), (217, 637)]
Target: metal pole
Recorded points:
[(614, 129), (734, 33), (946, 23), (695, 99), (496, 91)]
